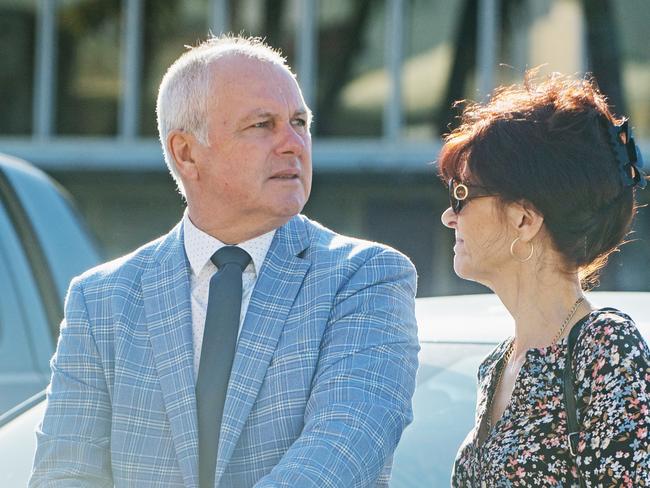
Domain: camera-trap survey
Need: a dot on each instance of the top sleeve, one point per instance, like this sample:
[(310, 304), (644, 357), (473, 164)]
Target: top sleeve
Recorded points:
[(612, 365)]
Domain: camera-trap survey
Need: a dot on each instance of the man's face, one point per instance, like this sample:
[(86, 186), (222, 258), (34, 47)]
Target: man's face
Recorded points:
[(256, 166)]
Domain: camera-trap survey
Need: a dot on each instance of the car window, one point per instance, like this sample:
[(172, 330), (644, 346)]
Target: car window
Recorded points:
[(443, 413), (25, 340), (62, 236)]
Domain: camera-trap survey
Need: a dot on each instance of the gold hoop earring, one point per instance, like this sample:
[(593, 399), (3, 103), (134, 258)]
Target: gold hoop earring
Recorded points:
[(512, 251)]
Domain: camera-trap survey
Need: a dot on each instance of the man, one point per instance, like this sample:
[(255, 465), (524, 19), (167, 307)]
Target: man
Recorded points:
[(324, 342)]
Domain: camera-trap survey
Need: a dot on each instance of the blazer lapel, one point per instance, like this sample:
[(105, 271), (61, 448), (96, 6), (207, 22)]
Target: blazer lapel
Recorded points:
[(278, 284), (166, 291)]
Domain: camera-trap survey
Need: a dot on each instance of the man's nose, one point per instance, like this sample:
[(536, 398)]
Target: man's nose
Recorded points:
[(292, 141), (448, 218)]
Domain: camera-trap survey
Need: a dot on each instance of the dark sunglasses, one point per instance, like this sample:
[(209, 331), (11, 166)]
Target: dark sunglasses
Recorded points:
[(460, 193)]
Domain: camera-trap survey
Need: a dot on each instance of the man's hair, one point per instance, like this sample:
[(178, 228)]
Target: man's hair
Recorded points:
[(185, 89)]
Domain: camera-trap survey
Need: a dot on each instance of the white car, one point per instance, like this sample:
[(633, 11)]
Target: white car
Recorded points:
[(456, 333)]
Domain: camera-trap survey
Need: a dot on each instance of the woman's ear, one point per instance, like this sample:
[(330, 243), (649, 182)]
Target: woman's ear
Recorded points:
[(525, 220), (182, 148)]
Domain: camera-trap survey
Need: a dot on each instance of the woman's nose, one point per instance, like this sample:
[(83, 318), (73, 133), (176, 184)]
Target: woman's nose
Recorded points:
[(448, 218)]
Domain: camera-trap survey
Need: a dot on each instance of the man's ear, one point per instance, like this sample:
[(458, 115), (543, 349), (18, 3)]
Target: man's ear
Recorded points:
[(184, 148), (525, 220)]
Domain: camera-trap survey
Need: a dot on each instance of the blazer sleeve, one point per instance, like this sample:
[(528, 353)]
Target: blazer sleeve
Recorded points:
[(74, 437), (361, 393)]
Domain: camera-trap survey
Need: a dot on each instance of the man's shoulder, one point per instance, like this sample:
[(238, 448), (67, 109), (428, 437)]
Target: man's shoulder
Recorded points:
[(359, 267), (328, 247)]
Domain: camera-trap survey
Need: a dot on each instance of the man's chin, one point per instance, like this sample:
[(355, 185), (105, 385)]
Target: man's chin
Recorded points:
[(289, 207), (279, 217)]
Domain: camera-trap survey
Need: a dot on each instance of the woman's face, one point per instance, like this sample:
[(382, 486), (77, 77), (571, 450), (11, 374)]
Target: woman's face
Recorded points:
[(482, 239)]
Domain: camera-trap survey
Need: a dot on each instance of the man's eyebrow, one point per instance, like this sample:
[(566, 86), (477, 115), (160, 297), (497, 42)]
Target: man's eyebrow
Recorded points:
[(303, 112), (257, 114), (262, 114)]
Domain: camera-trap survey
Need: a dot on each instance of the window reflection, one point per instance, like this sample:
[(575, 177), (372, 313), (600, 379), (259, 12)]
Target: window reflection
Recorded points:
[(352, 81), (17, 38), (633, 18), (430, 52), (274, 20), (547, 34), (169, 25), (88, 64), (606, 38)]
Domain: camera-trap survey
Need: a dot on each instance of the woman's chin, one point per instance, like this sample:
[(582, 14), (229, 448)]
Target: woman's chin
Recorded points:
[(466, 272), (461, 269)]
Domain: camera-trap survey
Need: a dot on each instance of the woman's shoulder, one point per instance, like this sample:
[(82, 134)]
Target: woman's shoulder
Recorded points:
[(609, 336), (607, 325)]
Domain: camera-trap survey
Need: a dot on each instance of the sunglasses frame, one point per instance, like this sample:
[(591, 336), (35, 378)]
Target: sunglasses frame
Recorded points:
[(459, 193)]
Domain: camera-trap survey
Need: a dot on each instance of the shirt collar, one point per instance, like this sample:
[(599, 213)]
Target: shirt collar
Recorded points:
[(199, 247)]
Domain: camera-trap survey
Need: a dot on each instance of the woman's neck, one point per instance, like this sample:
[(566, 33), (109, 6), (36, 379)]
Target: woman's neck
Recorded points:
[(540, 302)]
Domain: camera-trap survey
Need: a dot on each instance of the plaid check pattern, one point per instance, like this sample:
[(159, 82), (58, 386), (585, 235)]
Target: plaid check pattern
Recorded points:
[(320, 389)]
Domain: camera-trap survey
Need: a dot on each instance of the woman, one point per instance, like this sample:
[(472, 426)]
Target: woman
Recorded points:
[(542, 181)]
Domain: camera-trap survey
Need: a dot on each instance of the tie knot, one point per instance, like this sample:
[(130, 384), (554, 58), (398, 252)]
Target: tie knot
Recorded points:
[(231, 255)]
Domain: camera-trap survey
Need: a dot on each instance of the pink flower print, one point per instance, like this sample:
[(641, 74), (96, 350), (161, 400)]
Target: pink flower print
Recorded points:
[(642, 433)]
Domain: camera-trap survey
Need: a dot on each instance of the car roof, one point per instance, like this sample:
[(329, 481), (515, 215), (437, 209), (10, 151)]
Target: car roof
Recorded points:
[(482, 318), (16, 165)]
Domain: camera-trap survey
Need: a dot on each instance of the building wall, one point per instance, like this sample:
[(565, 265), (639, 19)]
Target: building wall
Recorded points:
[(125, 210)]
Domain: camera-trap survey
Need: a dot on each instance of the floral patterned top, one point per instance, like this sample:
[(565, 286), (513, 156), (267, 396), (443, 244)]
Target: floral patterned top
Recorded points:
[(528, 445)]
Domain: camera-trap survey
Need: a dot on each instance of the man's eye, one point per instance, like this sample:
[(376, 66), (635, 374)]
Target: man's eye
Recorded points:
[(299, 122), (261, 125)]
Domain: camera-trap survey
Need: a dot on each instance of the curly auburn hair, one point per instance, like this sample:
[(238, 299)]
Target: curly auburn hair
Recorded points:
[(546, 143)]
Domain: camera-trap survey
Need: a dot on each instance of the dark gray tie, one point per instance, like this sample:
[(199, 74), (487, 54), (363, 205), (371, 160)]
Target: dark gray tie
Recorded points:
[(217, 353)]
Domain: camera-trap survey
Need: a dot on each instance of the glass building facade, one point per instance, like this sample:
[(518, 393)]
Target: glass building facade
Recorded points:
[(79, 80)]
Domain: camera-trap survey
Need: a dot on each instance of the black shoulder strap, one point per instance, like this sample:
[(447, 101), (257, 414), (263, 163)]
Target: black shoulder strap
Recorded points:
[(569, 394)]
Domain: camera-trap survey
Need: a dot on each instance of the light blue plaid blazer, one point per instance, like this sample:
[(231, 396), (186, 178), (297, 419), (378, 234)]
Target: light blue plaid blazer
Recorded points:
[(320, 388)]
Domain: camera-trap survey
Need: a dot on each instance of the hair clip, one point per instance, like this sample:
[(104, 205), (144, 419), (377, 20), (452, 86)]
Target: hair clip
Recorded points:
[(627, 155)]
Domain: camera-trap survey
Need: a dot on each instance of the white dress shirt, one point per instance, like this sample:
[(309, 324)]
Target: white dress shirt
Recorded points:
[(199, 248)]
